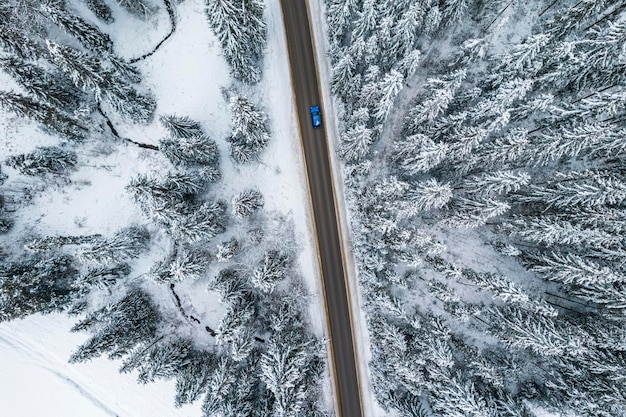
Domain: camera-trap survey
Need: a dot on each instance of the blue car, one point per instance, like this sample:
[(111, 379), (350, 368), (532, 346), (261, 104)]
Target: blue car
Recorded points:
[(316, 116)]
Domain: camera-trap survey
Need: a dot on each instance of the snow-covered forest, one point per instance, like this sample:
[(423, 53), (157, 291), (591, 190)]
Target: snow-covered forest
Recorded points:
[(482, 145), (129, 214)]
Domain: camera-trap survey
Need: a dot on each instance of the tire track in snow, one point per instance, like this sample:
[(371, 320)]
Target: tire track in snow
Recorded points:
[(41, 360)]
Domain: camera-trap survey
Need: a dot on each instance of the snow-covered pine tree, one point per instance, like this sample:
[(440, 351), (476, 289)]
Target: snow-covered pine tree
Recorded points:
[(103, 277), (569, 268), (247, 202), (44, 160), (16, 41), (440, 94), (42, 84), (417, 153), (549, 231), (409, 26), (388, 87), (355, 143), (584, 189), (192, 379), (270, 271), (455, 10), (190, 151), (200, 222), (54, 242), (88, 72), (36, 285), (242, 32), (289, 365), (188, 264), (250, 133), (345, 82), (473, 212), (119, 328), (543, 336), (169, 189), (100, 9), (126, 244), (181, 126), (499, 182), (88, 35), (226, 250), (238, 316), (162, 359), (139, 8), (49, 117)]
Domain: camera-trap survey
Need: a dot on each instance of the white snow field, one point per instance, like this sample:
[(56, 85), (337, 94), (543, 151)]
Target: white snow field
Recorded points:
[(186, 76)]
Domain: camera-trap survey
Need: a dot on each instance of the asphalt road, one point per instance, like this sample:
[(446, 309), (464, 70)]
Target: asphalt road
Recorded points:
[(305, 83)]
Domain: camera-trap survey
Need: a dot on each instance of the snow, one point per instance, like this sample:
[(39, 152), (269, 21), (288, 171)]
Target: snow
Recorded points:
[(38, 380), (186, 76)]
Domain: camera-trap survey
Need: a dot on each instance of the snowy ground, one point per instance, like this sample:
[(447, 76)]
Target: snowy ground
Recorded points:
[(186, 76)]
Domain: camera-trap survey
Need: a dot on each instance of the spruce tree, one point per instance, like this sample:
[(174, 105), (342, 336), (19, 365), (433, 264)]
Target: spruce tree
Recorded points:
[(247, 202), (44, 160), (119, 328), (37, 284), (100, 9)]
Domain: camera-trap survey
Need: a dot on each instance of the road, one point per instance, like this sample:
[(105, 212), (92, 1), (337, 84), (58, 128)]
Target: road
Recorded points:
[(315, 144)]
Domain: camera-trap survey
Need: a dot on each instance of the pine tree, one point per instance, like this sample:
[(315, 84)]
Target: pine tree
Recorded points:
[(455, 10), (270, 271), (126, 244), (226, 250), (51, 118), (569, 268), (43, 160), (237, 318), (185, 264), (250, 134), (119, 328), (100, 9), (427, 195), (181, 127), (555, 232), (418, 153), (36, 285), (43, 85), (242, 33), (409, 64), (16, 42), (590, 188), (247, 202), (288, 364), (440, 94), (189, 151), (193, 378), (389, 87), (355, 143), (345, 82), (409, 27), (104, 277), (471, 212), (174, 187), (88, 35), (139, 8), (201, 222), (339, 16), (88, 72), (542, 336), (499, 182), (162, 359)]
